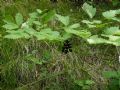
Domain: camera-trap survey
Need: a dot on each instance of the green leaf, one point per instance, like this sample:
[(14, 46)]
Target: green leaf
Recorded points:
[(112, 14), (80, 33), (29, 31), (16, 34), (76, 25), (89, 10), (114, 38), (10, 26), (52, 35), (63, 19), (91, 22), (89, 82), (48, 34), (116, 19), (19, 18), (29, 22), (66, 36), (33, 15), (48, 16), (40, 36), (112, 31), (109, 14), (96, 40)]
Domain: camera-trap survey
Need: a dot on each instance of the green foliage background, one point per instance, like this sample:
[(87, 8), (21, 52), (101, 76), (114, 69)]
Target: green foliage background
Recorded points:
[(39, 65)]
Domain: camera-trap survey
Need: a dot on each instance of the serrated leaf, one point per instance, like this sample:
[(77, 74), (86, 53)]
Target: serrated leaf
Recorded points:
[(80, 33), (116, 19), (19, 18), (29, 31), (66, 36), (16, 34), (111, 31), (48, 34), (76, 25), (89, 10), (111, 14), (114, 38), (48, 16), (96, 40), (92, 24), (33, 15), (63, 19), (40, 36), (30, 22), (10, 26)]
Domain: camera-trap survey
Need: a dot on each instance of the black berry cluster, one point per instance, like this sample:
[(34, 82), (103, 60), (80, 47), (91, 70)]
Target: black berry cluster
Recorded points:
[(67, 47)]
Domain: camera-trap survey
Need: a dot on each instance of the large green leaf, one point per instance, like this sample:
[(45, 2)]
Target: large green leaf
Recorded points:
[(48, 34), (40, 36), (111, 13), (29, 31), (66, 36), (16, 34), (76, 25), (80, 33), (89, 10), (29, 22), (33, 15), (63, 19), (112, 31), (92, 24), (96, 40), (48, 15), (19, 18), (115, 40), (10, 26)]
